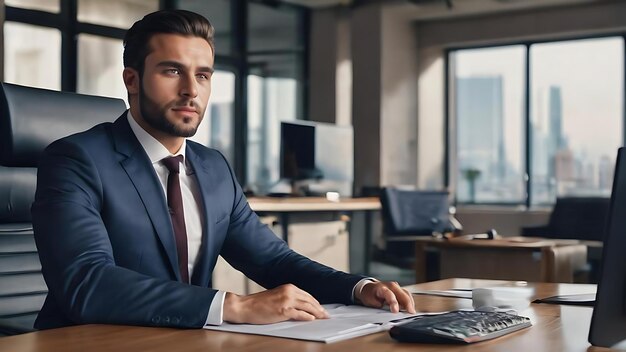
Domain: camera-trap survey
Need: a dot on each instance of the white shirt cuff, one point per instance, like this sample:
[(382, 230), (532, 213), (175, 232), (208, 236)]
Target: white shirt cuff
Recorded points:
[(356, 291), (216, 310)]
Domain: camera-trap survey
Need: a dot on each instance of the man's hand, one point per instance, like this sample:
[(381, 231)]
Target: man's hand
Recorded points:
[(376, 294), (279, 304)]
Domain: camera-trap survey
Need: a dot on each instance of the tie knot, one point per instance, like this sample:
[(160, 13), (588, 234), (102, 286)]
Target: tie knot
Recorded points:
[(172, 163)]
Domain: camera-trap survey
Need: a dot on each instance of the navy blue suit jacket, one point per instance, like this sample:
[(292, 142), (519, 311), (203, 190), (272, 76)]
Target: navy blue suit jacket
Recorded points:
[(106, 243)]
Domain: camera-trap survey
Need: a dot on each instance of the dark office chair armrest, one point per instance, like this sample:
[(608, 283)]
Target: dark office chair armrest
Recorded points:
[(536, 231)]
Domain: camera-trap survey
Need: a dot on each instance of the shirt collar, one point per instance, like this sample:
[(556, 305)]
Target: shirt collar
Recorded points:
[(155, 150)]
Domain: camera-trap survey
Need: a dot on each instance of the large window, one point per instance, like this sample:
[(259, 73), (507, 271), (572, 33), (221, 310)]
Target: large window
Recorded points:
[(76, 46), (489, 91), (35, 62), (71, 45), (276, 49), (576, 116), (271, 100), (537, 121)]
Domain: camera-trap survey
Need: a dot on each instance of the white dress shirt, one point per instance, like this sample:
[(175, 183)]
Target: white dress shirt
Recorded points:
[(192, 208)]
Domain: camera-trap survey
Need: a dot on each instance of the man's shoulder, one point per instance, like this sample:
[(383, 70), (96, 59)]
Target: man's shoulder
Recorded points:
[(94, 137)]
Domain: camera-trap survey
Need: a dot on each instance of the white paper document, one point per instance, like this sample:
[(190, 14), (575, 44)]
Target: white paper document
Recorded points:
[(459, 293), (345, 322)]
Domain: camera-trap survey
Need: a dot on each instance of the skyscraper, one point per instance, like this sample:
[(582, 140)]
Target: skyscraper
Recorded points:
[(556, 140), (479, 114), (556, 118)]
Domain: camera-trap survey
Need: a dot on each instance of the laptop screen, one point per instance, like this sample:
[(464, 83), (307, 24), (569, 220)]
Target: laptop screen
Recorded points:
[(608, 324)]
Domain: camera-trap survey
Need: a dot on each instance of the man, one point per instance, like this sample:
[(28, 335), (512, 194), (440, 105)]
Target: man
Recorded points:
[(130, 217)]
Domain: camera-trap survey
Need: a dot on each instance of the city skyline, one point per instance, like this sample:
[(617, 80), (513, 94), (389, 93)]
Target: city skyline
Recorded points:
[(484, 171), (576, 115)]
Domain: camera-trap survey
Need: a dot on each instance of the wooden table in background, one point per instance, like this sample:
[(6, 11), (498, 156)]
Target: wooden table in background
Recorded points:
[(555, 328), (310, 204), (286, 207), (507, 258)]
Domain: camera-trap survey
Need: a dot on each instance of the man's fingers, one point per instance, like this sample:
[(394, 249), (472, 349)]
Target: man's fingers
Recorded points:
[(405, 299), (297, 314), (304, 301), (411, 304), (389, 297), (312, 308)]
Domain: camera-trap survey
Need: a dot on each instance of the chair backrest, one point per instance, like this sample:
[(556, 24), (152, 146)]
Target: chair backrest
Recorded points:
[(30, 119), (581, 218), (410, 212)]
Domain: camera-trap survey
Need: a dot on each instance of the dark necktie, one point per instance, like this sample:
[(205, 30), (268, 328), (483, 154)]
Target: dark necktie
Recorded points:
[(175, 205)]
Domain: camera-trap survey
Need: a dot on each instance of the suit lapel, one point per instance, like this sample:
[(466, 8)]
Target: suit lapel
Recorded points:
[(208, 250), (141, 172)]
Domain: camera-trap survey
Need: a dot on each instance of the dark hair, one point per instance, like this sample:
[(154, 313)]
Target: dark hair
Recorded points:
[(137, 38)]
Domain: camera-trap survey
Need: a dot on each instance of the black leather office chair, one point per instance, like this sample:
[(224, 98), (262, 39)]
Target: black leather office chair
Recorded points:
[(408, 215), (30, 119), (578, 218)]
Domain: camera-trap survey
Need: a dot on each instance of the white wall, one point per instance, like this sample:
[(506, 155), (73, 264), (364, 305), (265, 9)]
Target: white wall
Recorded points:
[(364, 71), (398, 104)]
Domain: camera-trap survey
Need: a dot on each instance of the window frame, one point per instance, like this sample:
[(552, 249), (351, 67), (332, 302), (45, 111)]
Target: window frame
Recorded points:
[(450, 132), (66, 21)]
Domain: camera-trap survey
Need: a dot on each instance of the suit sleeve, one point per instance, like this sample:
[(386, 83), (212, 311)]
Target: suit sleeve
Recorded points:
[(251, 247), (77, 258)]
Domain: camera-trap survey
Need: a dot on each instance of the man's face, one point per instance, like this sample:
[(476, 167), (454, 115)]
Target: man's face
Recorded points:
[(176, 84)]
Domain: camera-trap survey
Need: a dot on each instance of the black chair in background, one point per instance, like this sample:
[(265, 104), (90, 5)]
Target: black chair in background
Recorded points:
[(578, 218), (407, 216), (30, 119)]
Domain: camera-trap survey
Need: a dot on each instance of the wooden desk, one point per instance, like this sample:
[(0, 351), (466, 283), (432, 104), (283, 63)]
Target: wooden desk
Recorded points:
[(304, 204), (285, 207), (508, 258), (555, 328)]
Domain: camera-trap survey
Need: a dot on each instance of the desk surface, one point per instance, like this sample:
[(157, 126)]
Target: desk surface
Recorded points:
[(513, 242), (301, 204), (555, 328)]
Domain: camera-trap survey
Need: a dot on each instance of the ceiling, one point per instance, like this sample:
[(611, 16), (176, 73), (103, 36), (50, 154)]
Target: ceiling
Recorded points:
[(319, 3), (438, 9)]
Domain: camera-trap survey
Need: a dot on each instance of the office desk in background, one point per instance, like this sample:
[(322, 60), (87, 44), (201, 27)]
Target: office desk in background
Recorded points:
[(509, 258), (555, 328), (311, 204), (288, 208)]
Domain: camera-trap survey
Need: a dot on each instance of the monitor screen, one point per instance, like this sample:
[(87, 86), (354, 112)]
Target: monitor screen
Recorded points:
[(321, 155), (608, 324), (297, 151)]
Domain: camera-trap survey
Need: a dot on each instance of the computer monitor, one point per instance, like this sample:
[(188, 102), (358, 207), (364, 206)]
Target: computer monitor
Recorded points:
[(322, 153), (608, 324), (297, 152)]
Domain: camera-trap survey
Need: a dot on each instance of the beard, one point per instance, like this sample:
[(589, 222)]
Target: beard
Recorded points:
[(155, 116)]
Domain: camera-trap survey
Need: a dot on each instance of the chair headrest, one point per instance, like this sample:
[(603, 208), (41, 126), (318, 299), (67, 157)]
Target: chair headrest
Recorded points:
[(32, 118), (415, 212)]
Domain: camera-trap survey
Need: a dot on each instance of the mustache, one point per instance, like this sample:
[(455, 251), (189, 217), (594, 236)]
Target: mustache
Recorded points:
[(187, 103)]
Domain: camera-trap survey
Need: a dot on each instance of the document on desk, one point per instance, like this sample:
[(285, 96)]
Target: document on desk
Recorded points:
[(456, 293), (345, 322)]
